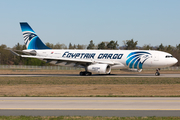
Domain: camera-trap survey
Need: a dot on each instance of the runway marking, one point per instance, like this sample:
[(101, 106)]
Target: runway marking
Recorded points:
[(81, 109)]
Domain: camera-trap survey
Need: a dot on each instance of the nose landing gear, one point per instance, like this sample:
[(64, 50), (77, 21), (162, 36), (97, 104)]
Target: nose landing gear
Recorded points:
[(157, 72)]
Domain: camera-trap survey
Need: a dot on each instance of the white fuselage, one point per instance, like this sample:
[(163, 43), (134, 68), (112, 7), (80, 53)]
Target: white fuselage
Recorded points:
[(130, 59), (96, 61)]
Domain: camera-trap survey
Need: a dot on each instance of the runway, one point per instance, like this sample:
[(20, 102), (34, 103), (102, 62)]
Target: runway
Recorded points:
[(90, 106), (94, 75)]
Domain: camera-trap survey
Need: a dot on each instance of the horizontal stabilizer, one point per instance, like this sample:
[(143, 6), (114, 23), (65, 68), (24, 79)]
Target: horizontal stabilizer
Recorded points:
[(14, 53)]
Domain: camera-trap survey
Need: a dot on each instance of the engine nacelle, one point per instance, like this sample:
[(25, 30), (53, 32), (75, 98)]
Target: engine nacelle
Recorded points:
[(99, 68)]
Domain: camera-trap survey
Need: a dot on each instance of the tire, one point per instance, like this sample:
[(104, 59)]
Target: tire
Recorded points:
[(81, 73), (157, 74), (86, 73)]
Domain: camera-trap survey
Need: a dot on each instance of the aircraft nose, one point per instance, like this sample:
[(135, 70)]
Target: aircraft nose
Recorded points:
[(171, 61), (175, 60)]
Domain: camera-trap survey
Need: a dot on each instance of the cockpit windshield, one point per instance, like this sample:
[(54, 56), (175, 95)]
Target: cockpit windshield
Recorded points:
[(169, 56)]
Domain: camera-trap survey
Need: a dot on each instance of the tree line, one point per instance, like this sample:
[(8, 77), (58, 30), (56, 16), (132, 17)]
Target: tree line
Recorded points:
[(6, 57)]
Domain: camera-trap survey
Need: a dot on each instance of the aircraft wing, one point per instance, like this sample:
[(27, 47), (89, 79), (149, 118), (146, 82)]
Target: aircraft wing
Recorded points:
[(71, 60)]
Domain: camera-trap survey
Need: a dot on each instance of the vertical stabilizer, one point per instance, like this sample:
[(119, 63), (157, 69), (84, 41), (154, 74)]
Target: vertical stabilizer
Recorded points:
[(31, 40)]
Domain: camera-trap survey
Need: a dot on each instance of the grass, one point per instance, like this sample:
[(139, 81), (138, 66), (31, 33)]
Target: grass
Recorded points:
[(84, 80), (83, 118), (89, 87)]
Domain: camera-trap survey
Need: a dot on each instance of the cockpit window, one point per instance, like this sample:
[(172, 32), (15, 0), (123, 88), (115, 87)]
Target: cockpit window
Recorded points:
[(169, 56)]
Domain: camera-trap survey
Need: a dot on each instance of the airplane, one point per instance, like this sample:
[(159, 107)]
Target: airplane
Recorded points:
[(94, 61)]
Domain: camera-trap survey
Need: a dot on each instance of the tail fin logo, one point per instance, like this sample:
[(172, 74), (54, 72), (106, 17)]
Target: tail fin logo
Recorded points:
[(31, 40), (28, 36), (136, 59)]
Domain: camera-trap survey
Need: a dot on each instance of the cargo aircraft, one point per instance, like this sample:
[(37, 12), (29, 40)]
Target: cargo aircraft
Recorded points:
[(94, 61)]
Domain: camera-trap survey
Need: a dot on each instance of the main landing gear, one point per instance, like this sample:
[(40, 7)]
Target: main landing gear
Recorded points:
[(157, 72), (85, 73)]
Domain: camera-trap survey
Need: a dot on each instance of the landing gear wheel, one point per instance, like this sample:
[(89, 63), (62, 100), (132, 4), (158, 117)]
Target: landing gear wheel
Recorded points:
[(157, 72), (81, 73), (85, 73)]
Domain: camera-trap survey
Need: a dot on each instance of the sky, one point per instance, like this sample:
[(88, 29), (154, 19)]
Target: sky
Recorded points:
[(150, 22)]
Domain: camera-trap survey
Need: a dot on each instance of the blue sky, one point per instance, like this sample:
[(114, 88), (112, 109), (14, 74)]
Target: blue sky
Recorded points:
[(79, 21)]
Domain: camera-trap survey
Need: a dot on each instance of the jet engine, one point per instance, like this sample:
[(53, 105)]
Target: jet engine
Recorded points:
[(99, 68)]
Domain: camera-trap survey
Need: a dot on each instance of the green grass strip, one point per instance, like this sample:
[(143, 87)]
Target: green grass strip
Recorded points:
[(85, 80)]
